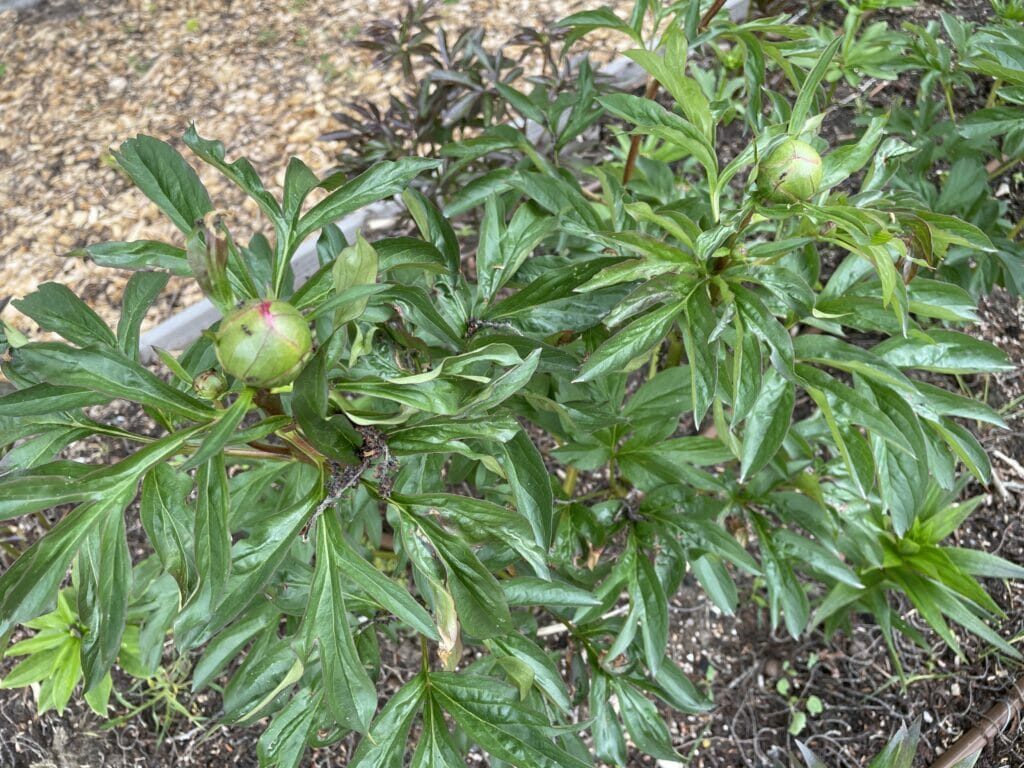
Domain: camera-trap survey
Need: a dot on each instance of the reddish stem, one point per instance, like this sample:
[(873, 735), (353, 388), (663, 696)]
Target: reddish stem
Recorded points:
[(652, 89)]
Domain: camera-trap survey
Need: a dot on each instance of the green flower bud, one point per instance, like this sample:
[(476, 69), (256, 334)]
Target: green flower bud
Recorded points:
[(210, 384), (791, 172), (264, 343)]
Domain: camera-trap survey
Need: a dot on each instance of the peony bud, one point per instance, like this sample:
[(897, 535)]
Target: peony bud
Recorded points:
[(264, 343), (210, 384), (791, 172)]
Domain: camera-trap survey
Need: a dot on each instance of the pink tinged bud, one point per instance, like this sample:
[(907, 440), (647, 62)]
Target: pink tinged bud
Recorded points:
[(264, 343)]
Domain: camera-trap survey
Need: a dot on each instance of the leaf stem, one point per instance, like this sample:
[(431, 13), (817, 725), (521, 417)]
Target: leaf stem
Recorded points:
[(1016, 229), (949, 102)]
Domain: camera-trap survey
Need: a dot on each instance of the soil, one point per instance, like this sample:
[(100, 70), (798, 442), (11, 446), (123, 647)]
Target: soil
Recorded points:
[(740, 661)]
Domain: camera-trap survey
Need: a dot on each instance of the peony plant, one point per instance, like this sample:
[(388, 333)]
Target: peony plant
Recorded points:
[(503, 440)]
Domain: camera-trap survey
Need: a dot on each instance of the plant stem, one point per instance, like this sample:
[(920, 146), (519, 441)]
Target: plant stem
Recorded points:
[(949, 103), (1005, 167), (991, 100), (652, 89), (652, 367), (634, 144), (569, 484), (1016, 229)]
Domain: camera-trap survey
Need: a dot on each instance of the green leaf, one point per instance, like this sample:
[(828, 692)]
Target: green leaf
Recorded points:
[(483, 610), (636, 339), (30, 584), (64, 482), (675, 688), (165, 178), (140, 293), (600, 18), (240, 172), (255, 559), (269, 668), (212, 548), (109, 372), (809, 88), (55, 308), (528, 590), (552, 285), (560, 196), (701, 351), (978, 563), (383, 590), (229, 642), (333, 435), (609, 744), (764, 325), (383, 746), (104, 579), (944, 352), (669, 69), (420, 307), (545, 675), (965, 446), (435, 748), (223, 429), (768, 424), (355, 266), (283, 743), (811, 553), (844, 161), (901, 749), (168, 523), (648, 595), (350, 693), (852, 405), (531, 485), (643, 722), (44, 399), (487, 711), (382, 180), (98, 697), (713, 576), (138, 254), (489, 256), (650, 117), (299, 181)]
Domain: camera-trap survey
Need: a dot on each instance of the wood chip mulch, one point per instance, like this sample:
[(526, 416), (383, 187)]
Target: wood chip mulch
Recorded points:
[(263, 76)]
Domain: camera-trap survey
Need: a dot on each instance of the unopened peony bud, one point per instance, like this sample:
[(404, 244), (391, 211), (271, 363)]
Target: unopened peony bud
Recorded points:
[(210, 384), (264, 343), (791, 172)]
